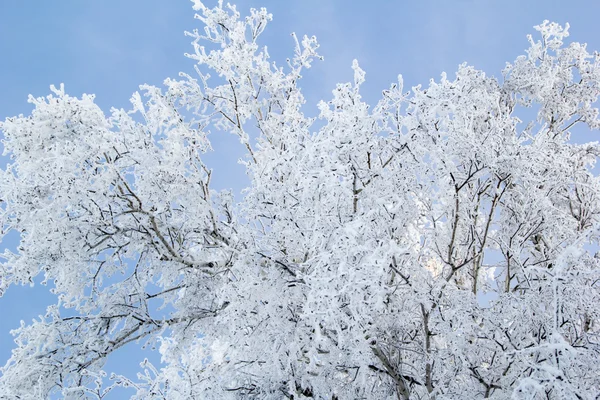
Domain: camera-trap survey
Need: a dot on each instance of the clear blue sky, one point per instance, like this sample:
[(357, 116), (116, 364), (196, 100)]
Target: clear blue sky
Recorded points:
[(110, 47)]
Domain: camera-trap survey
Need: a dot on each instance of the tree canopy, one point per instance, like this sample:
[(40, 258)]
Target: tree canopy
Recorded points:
[(439, 244)]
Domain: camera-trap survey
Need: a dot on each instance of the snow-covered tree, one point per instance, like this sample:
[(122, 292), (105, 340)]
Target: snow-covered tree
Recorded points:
[(432, 246)]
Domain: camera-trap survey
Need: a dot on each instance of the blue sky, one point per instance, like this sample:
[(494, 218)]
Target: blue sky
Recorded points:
[(110, 47)]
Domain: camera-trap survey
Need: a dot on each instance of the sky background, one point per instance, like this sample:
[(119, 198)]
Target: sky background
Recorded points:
[(110, 47)]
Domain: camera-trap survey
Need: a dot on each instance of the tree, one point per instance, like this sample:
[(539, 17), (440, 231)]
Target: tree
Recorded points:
[(356, 263)]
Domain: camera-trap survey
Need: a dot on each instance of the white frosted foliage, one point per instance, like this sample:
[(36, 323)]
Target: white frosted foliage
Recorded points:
[(355, 265)]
